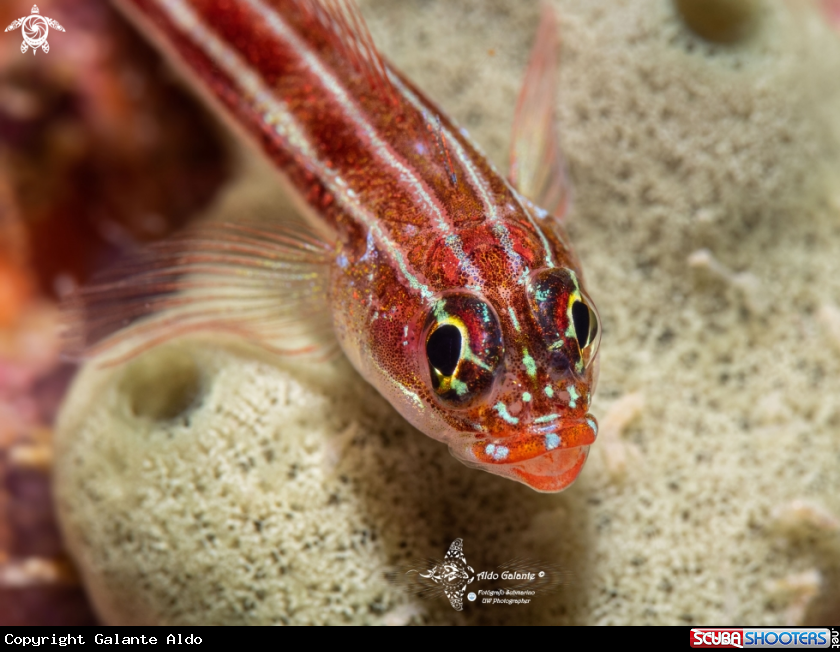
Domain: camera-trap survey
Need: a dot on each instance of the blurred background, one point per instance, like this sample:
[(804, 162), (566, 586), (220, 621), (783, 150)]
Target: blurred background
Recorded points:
[(100, 151)]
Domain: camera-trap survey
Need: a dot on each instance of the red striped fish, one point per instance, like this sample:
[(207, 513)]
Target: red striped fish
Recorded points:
[(453, 290)]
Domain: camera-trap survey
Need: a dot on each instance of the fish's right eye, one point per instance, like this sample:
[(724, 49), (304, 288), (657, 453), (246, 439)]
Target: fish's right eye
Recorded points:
[(443, 349), (463, 348)]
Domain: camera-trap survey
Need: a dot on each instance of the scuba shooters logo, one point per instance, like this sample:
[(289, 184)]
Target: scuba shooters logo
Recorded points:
[(765, 637), (451, 576)]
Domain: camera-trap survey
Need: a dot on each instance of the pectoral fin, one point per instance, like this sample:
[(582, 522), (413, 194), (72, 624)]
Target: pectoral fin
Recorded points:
[(265, 283), (537, 167)]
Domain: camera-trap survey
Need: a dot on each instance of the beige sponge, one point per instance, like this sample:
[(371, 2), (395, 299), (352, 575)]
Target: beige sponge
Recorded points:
[(207, 483)]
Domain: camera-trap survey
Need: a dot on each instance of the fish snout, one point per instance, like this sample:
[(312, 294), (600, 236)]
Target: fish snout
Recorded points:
[(546, 458)]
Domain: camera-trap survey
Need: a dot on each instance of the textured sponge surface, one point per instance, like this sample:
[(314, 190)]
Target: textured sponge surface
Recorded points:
[(273, 497)]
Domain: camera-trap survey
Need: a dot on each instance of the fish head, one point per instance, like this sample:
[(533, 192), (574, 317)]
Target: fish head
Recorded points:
[(515, 370), (504, 376)]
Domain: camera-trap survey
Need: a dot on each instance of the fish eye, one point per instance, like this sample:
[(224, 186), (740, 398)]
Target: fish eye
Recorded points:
[(464, 348), (443, 349), (586, 324), (566, 317)]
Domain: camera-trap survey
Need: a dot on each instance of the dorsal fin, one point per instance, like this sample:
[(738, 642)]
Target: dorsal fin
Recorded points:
[(831, 10), (348, 33), (438, 140), (537, 167)]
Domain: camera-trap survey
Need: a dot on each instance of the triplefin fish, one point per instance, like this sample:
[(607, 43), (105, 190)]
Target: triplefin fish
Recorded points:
[(452, 290)]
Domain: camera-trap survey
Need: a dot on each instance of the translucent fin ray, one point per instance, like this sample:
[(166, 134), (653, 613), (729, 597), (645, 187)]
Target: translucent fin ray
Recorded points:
[(347, 32), (267, 283), (537, 167)]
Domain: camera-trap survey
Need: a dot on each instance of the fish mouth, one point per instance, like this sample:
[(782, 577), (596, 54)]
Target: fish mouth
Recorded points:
[(546, 459)]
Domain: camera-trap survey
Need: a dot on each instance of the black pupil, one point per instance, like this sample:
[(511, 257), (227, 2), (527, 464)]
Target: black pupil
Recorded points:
[(443, 349), (580, 315)]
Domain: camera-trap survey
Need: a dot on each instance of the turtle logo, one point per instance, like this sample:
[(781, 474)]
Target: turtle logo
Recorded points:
[(35, 30), (453, 574)]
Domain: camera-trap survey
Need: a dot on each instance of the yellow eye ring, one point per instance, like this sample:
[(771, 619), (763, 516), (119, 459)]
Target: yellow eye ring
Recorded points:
[(585, 326), (446, 346)]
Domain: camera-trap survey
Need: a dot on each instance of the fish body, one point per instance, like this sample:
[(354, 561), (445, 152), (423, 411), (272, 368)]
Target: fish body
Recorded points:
[(452, 293)]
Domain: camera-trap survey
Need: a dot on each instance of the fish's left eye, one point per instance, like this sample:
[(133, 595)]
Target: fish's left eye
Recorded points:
[(587, 329), (565, 316), (463, 348)]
